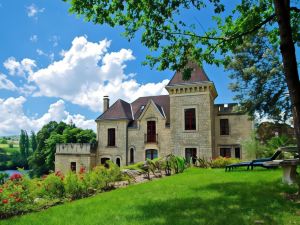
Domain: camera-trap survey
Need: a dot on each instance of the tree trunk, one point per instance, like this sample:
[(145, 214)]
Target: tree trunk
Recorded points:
[(287, 48)]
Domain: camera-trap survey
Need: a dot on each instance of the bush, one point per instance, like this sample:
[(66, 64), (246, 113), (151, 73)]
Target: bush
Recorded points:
[(221, 162), (53, 186), (74, 187)]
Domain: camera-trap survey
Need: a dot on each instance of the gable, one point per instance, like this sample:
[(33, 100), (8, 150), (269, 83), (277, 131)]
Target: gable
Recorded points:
[(151, 110)]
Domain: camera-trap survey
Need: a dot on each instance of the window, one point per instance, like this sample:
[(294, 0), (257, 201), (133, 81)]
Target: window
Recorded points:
[(191, 154), (151, 131), (131, 155), (237, 153), (111, 137), (225, 152), (73, 166), (104, 162), (151, 154), (190, 119), (224, 127), (118, 162)]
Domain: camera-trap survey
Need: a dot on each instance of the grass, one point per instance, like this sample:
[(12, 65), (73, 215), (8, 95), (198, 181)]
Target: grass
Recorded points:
[(198, 196), (8, 150)]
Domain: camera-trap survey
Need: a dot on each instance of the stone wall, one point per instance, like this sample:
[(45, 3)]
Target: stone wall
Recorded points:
[(83, 154), (240, 129), (136, 136), (201, 138), (118, 151)]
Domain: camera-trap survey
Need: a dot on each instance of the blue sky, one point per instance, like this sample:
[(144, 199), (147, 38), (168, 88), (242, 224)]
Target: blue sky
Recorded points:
[(55, 66)]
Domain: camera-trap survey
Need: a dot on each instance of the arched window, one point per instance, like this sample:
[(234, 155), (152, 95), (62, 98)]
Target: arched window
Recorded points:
[(151, 154), (118, 162), (131, 155)]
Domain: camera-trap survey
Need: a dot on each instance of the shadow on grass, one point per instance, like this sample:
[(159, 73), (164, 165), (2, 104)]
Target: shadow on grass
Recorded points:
[(231, 203)]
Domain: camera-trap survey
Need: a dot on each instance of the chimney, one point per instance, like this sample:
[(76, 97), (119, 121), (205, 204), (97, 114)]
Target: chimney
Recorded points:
[(105, 103)]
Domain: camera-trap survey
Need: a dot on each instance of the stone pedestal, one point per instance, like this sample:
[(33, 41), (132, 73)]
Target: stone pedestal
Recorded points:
[(289, 168)]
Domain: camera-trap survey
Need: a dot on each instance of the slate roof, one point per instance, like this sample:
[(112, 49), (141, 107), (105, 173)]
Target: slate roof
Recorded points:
[(198, 75), (131, 111), (124, 110), (119, 110)]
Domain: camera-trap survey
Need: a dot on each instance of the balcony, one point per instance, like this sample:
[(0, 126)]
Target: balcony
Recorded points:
[(151, 138)]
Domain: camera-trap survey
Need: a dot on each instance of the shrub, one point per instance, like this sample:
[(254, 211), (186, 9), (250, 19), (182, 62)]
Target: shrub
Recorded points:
[(74, 187), (221, 162), (15, 196), (53, 186)]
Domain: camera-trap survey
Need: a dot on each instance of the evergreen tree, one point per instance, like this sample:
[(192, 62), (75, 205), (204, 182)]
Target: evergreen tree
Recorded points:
[(33, 141)]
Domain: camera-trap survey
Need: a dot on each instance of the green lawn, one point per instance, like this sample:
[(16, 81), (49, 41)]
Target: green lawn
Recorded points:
[(198, 196)]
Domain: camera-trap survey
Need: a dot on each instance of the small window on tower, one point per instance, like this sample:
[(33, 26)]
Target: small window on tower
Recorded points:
[(190, 119), (111, 134)]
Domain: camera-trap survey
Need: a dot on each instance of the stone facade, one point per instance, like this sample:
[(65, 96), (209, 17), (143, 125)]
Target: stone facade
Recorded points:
[(155, 126), (80, 155)]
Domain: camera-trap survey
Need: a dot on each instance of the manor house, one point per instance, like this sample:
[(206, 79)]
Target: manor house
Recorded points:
[(186, 122)]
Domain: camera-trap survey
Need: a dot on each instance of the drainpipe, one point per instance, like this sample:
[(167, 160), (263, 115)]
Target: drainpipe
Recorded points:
[(127, 143)]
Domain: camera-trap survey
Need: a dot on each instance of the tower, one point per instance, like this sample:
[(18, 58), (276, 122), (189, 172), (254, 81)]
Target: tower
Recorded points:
[(191, 114)]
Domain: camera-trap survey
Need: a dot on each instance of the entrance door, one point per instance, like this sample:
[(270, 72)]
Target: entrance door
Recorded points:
[(151, 154), (225, 152), (191, 154), (151, 131), (73, 166)]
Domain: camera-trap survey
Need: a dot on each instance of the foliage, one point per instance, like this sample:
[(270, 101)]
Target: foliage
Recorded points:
[(3, 177), (254, 149), (20, 194), (221, 162), (255, 69), (33, 141), (266, 130), (42, 160)]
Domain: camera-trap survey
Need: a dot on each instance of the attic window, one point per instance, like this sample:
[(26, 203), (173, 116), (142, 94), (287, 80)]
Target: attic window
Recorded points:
[(142, 107)]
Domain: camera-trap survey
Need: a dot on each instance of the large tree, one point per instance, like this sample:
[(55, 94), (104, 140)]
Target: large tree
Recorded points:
[(175, 40)]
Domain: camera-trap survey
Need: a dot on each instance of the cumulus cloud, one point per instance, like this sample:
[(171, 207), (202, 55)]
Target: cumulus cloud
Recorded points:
[(13, 118), (87, 71), (21, 68), (33, 11), (6, 84)]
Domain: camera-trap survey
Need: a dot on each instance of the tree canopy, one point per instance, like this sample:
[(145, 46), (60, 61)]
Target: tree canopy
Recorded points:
[(174, 40), (42, 160)]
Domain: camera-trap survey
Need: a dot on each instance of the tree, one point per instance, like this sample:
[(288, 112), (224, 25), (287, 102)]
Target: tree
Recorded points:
[(175, 41), (255, 70), (22, 143), (33, 141), (42, 160)]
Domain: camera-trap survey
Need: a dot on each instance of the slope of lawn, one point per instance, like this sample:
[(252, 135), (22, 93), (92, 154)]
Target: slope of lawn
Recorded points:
[(198, 196)]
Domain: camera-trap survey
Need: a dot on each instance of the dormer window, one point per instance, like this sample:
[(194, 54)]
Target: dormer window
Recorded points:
[(142, 107)]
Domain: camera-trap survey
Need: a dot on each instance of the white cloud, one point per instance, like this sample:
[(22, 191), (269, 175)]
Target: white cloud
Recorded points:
[(6, 84), (33, 38), (33, 11), (87, 72), (21, 68), (13, 118), (48, 55)]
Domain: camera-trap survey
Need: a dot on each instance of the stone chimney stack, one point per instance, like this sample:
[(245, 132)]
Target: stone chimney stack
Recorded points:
[(105, 103)]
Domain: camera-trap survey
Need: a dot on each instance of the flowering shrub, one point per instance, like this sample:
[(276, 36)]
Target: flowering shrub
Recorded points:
[(221, 162), (15, 196)]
